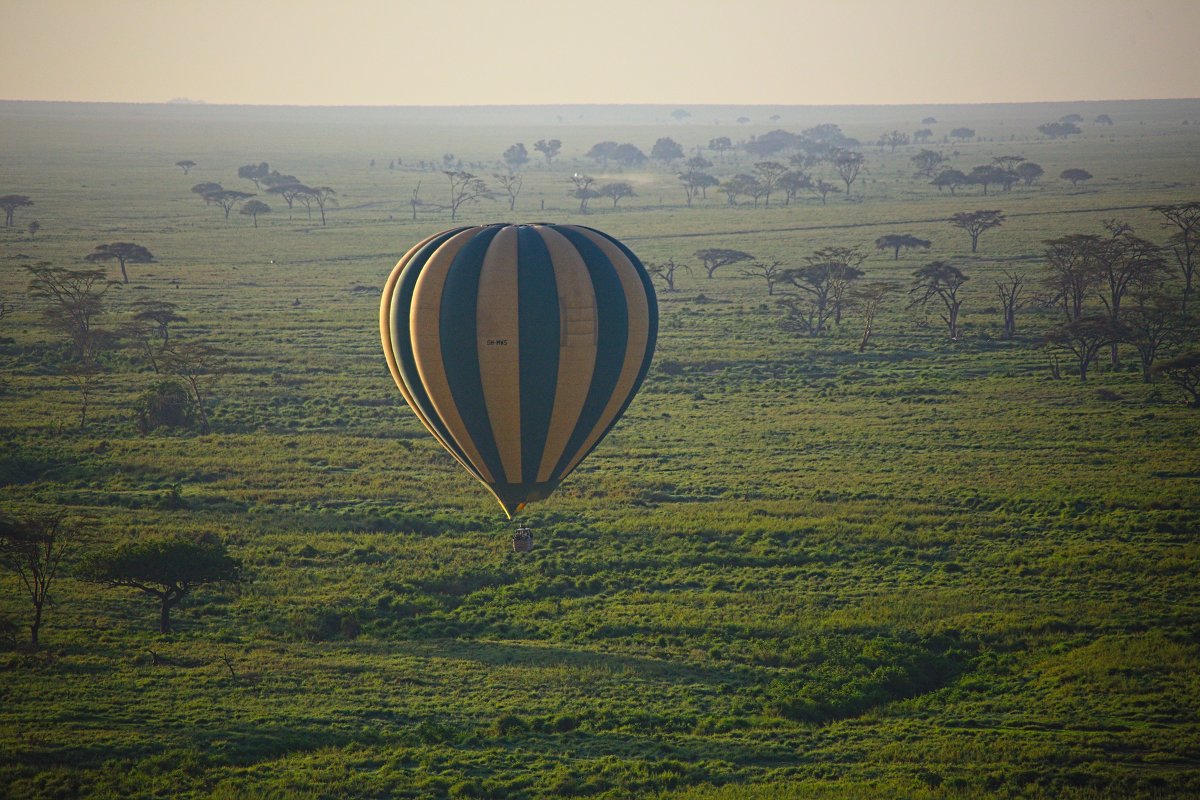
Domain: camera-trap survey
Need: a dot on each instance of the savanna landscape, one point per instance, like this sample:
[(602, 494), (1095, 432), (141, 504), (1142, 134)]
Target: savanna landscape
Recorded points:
[(907, 505)]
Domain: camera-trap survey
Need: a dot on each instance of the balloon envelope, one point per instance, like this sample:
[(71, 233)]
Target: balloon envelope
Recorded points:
[(519, 347)]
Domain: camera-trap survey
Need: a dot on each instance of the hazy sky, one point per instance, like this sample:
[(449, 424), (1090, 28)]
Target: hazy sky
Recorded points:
[(458, 52)]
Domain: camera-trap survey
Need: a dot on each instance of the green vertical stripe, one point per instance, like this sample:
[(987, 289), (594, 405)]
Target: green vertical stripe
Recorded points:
[(538, 321), (613, 336), (460, 354), (400, 313)]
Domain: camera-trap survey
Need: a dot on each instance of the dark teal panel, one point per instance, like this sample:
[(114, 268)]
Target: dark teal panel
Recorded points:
[(539, 327), (612, 337), (460, 354), (651, 338), (400, 311)]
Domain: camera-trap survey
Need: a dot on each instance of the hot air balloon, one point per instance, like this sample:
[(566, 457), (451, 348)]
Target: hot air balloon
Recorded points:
[(519, 347)]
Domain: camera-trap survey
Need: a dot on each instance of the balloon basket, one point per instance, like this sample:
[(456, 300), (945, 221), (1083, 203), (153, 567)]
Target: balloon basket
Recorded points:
[(522, 540)]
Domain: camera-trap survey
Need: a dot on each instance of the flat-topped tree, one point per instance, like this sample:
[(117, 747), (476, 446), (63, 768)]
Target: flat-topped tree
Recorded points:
[(252, 208), (713, 258), (1029, 172), (1075, 176), (226, 198), (848, 163), (976, 222), (10, 203), (896, 241), (942, 281), (1185, 241), (124, 253), (185, 165), (549, 148)]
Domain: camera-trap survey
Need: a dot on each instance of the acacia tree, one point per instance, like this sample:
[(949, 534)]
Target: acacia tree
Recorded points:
[(124, 253), (848, 163), (791, 182), (601, 152), (516, 156), (1083, 338), (962, 134), (185, 165), (769, 175), (976, 222), (926, 161), (74, 299), (986, 174), (583, 191), (868, 300), (720, 145), (1059, 130), (824, 188), (628, 155), (1072, 273), (666, 150), (1185, 241), (465, 188), (713, 258), (10, 203), (617, 190), (1029, 172), (1152, 323), (771, 272), (666, 271), (166, 569), (893, 140), (196, 363), (1075, 176), (548, 148), (895, 241), (254, 172), (1011, 291), (35, 549), (226, 198), (942, 281), (324, 197), (511, 183), (824, 282), (1183, 371), (1124, 261), (252, 208), (950, 179), (289, 192)]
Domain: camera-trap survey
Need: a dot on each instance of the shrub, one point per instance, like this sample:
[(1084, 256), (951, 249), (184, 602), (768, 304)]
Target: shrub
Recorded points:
[(165, 405)]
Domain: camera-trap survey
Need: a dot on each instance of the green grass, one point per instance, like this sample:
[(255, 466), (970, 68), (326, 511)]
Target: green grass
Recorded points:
[(793, 570)]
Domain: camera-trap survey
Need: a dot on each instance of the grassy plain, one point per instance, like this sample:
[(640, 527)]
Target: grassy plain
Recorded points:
[(927, 570)]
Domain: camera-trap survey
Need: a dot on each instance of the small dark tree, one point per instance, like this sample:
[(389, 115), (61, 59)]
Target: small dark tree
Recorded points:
[(254, 172), (1185, 241), (823, 188), (666, 271), (896, 241), (1075, 176), (617, 191), (1072, 272), (10, 203), (713, 258), (166, 404), (962, 134), (1008, 163), (922, 136), (1083, 338), (36, 549), (942, 281), (927, 162), (124, 253), (252, 208), (867, 300), (601, 152), (666, 150), (465, 188), (34, 227), (196, 363), (324, 197), (720, 145), (848, 163), (628, 155), (226, 199), (824, 283), (511, 183), (769, 174), (205, 189), (1011, 291), (771, 272), (548, 148), (289, 192), (976, 222), (1029, 172), (1059, 130), (1125, 262), (893, 140), (516, 156), (986, 174), (791, 183), (1152, 323), (583, 191), (950, 179), (185, 165), (74, 299), (1103, 119), (1184, 372), (166, 569)]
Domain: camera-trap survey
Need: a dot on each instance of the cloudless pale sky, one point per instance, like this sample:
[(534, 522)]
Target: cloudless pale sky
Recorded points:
[(468, 52)]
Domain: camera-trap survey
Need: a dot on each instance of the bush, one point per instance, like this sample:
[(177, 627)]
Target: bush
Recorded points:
[(165, 405)]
